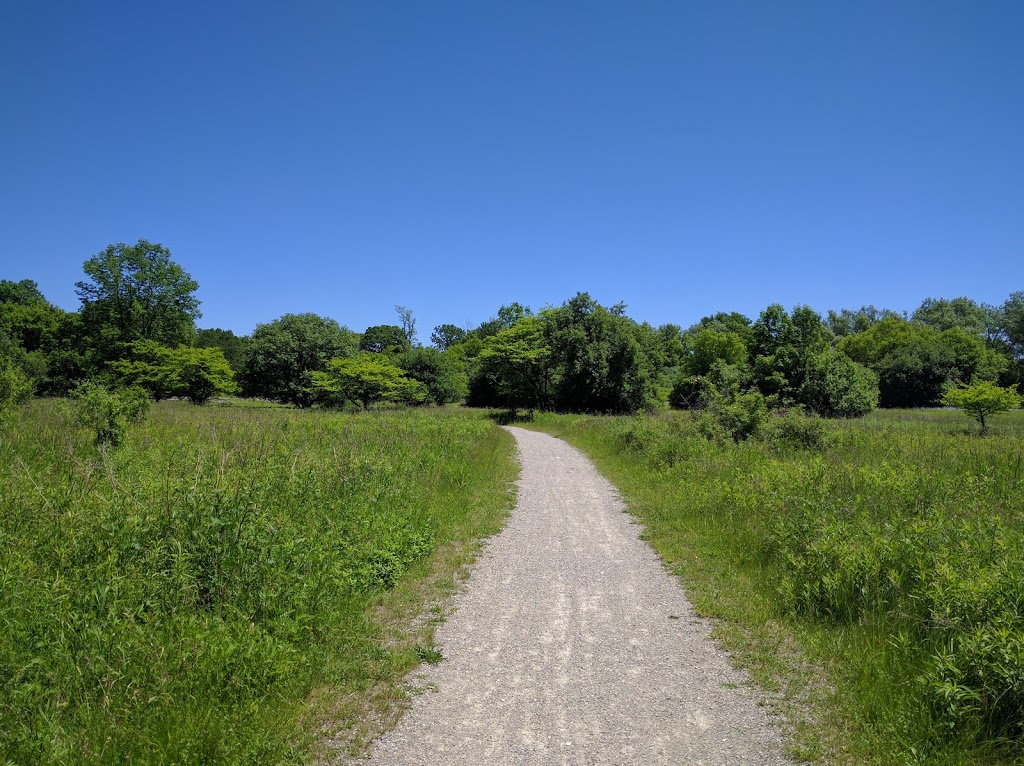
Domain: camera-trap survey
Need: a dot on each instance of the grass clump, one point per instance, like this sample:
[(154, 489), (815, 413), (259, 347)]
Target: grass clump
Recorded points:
[(180, 599), (888, 550)]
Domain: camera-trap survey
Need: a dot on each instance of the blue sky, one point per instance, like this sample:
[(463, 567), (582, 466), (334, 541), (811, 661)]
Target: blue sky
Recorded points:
[(682, 157)]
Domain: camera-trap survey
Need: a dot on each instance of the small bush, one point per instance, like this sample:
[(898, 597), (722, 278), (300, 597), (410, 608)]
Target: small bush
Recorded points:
[(796, 429), (109, 412), (15, 388)]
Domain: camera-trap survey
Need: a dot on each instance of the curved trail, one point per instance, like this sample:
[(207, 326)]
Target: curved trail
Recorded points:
[(572, 645)]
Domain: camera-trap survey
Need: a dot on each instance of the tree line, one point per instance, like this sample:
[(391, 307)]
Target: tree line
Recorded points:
[(137, 326)]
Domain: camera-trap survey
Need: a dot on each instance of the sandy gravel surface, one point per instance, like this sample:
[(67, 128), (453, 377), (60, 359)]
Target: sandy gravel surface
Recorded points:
[(572, 645)]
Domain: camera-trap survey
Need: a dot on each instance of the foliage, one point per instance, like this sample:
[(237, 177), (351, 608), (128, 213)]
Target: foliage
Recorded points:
[(445, 336), (836, 386), (408, 325), (737, 417), (23, 293), (515, 367), (722, 321), (697, 391), (136, 292), (195, 373), (781, 346), (847, 322), (601, 358), (188, 600), (710, 346), (367, 379), (385, 338), (443, 374), (982, 400), (231, 345), (15, 388), (108, 412), (961, 313), (282, 356)]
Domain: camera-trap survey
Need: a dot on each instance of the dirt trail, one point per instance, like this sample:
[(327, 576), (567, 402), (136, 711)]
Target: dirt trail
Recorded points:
[(572, 645)]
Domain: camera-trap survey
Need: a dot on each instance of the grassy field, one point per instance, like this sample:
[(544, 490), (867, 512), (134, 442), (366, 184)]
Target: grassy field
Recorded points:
[(874, 582), (232, 585)]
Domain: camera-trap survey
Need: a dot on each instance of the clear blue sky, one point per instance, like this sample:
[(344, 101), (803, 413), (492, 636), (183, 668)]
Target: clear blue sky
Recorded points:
[(683, 157)]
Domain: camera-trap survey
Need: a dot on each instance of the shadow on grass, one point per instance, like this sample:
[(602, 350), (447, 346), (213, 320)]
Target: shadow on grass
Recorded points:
[(508, 417)]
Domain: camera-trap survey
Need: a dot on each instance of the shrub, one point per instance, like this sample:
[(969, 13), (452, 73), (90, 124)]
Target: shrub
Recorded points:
[(983, 400), (796, 429), (15, 388), (109, 412), (836, 386)]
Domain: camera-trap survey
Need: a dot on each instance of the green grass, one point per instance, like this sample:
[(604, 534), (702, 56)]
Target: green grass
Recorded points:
[(232, 585), (874, 585)]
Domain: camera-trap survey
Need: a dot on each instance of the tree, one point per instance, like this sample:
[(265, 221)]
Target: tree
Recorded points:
[(725, 322), (514, 368), (709, 346), (282, 356), (445, 336), (983, 400), (233, 346), (781, 345), (847, 322), (384, 338), (916, 374), (836, 386), (443, 374), (600, 358), (25, 293), (408, 323), (136, 292), (942, 314), (367, 378), (195, 373)]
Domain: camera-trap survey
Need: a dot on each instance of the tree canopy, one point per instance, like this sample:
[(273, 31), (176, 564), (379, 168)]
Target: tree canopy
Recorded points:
[(281, 356), (136, 292)]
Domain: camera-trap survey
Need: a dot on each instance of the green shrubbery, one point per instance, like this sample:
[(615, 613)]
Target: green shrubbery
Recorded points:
[(108, 412)]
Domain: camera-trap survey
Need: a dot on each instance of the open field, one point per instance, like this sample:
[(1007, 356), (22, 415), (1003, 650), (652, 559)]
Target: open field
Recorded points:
[(231, 583), (891, 556)]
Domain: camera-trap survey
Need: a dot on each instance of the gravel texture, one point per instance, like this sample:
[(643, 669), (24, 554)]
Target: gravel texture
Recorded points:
[(571, 644)]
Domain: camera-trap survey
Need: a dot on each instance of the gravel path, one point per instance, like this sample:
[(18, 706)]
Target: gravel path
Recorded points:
[(572, 645)]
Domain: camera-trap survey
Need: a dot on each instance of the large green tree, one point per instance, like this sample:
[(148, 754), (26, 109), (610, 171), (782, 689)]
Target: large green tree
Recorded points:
[(443, 374), (136, 292), (601, 357), (282, 356)]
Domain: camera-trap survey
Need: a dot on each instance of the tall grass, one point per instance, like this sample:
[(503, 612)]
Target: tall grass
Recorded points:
[(893, 556), (175, 601)]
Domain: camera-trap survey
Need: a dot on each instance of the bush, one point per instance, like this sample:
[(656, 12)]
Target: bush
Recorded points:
[(15, 388), (796, 429), (109, 412), (738, 417), (836, 386)]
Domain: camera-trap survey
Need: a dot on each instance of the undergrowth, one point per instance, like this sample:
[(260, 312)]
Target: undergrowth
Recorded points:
[(888, 550), (176, 600)]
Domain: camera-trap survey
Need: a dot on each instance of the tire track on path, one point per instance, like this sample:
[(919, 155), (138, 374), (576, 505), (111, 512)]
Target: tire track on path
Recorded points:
[(572, 645)]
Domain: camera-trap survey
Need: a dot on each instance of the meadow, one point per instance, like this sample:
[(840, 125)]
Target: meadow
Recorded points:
[(231, 585), (870, 573)]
